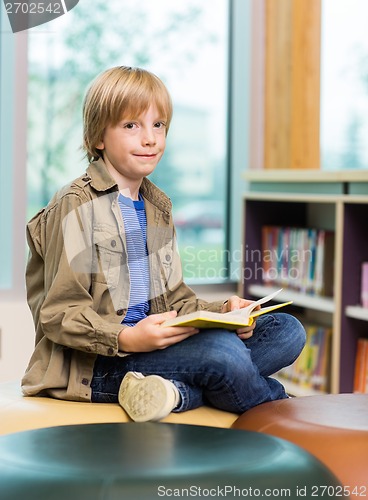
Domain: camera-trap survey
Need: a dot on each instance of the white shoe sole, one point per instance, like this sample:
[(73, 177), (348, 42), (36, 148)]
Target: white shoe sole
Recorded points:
[(148, 398)]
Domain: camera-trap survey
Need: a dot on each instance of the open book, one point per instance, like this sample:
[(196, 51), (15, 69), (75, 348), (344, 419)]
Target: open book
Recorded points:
[(230, 320)]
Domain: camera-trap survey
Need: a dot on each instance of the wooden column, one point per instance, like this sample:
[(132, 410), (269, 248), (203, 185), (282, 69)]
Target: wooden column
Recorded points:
[(292, 84)]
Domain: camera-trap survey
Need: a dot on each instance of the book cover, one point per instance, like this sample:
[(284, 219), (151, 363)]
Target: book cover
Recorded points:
[(361, 367), (297, 258), (311, 369), (230, 320)]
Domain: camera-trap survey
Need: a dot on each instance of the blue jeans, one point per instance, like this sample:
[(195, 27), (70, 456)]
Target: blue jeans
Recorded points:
[(214, 367)]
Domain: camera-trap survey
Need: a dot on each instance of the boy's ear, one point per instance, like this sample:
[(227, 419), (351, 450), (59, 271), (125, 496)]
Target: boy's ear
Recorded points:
[(100, 145)]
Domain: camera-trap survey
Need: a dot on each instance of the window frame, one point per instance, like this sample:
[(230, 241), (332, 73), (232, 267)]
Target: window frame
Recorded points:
[(239, 133)]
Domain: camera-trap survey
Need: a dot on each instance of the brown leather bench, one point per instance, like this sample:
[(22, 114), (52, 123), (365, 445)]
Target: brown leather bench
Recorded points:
[(334, 428)]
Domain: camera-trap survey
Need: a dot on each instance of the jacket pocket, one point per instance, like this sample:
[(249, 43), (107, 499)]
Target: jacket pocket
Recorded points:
[(109, 257), (170, 265)]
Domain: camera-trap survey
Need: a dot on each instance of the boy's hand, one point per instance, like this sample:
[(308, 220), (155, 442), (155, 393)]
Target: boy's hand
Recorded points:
[(233, 304), (148, 334)]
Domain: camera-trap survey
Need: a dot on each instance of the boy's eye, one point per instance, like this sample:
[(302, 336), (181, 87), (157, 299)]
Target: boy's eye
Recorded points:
[(129, 126), (160, 124)]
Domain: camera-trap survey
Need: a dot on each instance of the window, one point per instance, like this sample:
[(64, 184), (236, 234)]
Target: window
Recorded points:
[(184, 43), (344, 84)]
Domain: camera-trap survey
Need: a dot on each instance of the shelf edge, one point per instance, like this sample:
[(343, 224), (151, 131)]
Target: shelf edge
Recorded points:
[(324, 304), (308, 175), (357, 312)]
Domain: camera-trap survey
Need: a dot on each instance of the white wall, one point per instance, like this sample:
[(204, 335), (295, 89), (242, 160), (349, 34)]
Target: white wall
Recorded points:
[(16, 340)]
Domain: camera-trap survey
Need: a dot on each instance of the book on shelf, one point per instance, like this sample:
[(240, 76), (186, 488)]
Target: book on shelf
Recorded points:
[(311, 369), (364, 286), (230, 320), (361, 367), (298, 258)]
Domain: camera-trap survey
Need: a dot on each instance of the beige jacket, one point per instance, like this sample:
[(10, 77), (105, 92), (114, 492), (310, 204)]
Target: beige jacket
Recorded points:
[(78, 280)]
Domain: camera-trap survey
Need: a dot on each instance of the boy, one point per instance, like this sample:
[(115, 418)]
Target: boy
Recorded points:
[(104, 274)]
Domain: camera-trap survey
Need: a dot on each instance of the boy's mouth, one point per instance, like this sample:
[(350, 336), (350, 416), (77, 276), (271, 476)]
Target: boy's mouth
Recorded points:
[(153, 155)]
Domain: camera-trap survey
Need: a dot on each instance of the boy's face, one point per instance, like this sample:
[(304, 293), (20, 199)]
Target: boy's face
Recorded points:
[(133, 148)]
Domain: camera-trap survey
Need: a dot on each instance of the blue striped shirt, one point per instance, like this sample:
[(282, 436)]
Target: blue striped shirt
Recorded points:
[(135, 224)]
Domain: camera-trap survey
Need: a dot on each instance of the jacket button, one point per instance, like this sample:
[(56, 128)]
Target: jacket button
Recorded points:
[(120, 312), (86, 179), (113, 243), (167, 257), (110, 351), (85, 381)]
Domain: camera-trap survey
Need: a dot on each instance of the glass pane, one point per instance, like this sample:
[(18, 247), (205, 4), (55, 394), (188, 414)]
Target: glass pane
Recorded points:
[(186, 45), (344, 84)]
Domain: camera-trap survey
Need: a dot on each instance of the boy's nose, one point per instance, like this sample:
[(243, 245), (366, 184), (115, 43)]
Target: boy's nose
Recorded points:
[(149, 138)]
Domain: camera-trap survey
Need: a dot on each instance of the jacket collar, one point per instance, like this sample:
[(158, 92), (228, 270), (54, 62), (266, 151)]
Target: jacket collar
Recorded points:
[(101, 181)]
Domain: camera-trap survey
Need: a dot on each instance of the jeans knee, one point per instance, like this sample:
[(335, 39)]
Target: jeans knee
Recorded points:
[(227, 355), (299, 332), (296, 335)]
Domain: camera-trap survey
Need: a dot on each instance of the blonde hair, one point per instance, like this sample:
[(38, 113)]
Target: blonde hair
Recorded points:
[(120, 92)]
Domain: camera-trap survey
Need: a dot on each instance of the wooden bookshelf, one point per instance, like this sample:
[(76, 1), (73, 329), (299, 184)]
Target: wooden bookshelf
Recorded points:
[(346, 215), (295, 389)]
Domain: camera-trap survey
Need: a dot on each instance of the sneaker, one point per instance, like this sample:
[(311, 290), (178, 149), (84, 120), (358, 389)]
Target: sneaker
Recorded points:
[(148, 398)]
